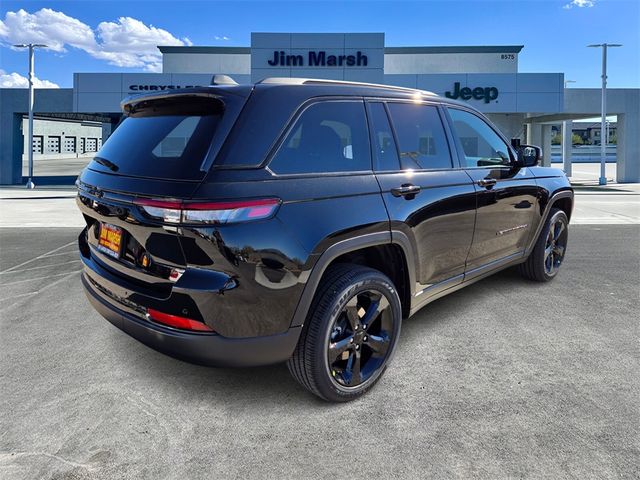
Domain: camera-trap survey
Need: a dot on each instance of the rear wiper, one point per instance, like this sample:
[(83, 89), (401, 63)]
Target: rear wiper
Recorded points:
[(103, 161)]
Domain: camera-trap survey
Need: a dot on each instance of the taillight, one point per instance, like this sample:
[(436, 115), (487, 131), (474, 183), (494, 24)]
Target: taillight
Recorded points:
[(209, 213), (177, 322), (175, 274)]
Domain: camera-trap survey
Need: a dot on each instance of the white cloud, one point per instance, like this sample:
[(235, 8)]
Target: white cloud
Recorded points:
[(580, 4), (15, 80), (222, 37), (46, 26), (127, 42)]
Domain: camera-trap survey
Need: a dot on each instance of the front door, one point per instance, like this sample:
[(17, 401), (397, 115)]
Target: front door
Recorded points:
[(506, 196), (428, 197)]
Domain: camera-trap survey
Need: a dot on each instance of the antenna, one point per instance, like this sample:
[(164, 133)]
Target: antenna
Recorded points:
[(223, 80)]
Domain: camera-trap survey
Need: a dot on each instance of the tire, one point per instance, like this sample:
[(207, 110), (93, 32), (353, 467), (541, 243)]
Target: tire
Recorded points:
[(355, 318), (545, 260)]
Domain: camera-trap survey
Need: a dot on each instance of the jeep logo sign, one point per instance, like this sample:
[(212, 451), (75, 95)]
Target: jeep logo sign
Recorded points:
[(479, 93)]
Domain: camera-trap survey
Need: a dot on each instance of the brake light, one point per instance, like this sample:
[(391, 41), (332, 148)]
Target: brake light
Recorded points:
[(176, 321), (209, 213)]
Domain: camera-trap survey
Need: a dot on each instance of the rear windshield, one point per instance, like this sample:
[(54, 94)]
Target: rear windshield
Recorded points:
[(167, 138)]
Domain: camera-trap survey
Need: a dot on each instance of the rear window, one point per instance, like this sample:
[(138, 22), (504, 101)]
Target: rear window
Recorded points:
[(166, 138)]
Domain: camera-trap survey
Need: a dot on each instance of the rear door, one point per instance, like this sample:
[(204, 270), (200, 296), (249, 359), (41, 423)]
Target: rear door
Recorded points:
[(428, 197), (322, 172), (506, 196)]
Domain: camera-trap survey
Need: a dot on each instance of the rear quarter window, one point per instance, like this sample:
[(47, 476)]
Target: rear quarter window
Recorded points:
[(328, 137)]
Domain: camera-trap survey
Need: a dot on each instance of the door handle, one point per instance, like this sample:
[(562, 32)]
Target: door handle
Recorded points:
[(487, 182), (406, 190)]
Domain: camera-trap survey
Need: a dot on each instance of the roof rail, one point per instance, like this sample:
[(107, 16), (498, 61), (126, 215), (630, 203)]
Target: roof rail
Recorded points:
[(312, 81)]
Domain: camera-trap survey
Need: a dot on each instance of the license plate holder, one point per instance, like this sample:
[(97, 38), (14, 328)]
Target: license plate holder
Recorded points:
[(110, 240)]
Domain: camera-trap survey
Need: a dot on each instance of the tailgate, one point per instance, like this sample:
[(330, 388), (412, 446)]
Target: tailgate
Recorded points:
[(125, 242)]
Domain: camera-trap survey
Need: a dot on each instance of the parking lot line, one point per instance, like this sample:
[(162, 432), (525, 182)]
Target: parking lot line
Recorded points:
[(34, 279), (74, 251), (46, 287), (38, 257), (40, 267)]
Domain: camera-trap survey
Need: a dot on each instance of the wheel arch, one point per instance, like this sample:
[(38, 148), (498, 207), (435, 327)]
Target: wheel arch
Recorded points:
[(565, 204), (382, 251), (562, 199)]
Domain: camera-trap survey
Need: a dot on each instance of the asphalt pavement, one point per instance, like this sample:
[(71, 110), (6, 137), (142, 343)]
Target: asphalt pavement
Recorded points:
[(504, 379)]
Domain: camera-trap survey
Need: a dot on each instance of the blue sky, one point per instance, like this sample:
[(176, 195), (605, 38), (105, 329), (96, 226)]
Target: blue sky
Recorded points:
[(114, 36)]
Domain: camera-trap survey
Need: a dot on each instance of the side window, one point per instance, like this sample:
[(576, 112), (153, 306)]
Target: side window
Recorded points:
[(328, 137), (421, 137), (481, 145), (384, 146)]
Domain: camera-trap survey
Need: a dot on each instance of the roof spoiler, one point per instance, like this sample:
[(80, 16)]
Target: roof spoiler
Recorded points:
[(129, 104)]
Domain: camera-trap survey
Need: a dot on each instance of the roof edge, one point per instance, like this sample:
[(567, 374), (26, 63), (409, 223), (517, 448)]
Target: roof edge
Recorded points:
[(390, 50), (457, 49), (205, 49)]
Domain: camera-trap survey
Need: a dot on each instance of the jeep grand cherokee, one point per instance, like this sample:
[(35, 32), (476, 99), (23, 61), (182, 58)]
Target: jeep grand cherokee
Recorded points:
[(302, 220)]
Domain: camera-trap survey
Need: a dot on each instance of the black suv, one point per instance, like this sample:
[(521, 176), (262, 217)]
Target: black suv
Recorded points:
[(301, 221)]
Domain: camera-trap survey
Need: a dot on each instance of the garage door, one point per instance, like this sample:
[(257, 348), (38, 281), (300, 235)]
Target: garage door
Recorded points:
[(37, 144), (53, 144), (69, 144), (91, 145)]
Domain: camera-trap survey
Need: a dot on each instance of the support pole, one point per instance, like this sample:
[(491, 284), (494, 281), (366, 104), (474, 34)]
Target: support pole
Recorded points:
[(30, 183), (603, 120), (567, 146)]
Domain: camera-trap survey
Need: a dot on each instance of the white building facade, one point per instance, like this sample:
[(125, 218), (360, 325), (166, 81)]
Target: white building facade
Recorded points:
[(523, 105)]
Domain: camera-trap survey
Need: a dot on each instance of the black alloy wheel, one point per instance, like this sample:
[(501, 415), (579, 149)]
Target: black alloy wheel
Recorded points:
[(550, 248), (555, 246), (350, 334), (360, 338)]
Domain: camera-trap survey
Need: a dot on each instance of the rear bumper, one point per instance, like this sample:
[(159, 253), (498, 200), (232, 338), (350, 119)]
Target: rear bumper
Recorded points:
[(202, 348)]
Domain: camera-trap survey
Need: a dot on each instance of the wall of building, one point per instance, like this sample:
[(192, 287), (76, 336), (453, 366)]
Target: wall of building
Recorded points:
[(486, 77), (516, 92), (420, 60), (230, 60), (55, 138), (301, 46), (13, 105), (103, 92), (585, 103)]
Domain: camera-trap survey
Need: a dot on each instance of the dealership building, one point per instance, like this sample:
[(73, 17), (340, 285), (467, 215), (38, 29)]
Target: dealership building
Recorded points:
[(71, 123)]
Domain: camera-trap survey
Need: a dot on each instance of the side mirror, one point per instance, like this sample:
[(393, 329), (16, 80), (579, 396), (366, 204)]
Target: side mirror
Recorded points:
[(528, 155)]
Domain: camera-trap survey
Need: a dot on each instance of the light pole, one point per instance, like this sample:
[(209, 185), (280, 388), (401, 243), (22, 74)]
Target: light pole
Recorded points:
[(567, 137), (603, 120), (31, 47)]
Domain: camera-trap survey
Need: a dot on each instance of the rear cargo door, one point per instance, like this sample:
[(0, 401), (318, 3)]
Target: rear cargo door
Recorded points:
[(161, 150)]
